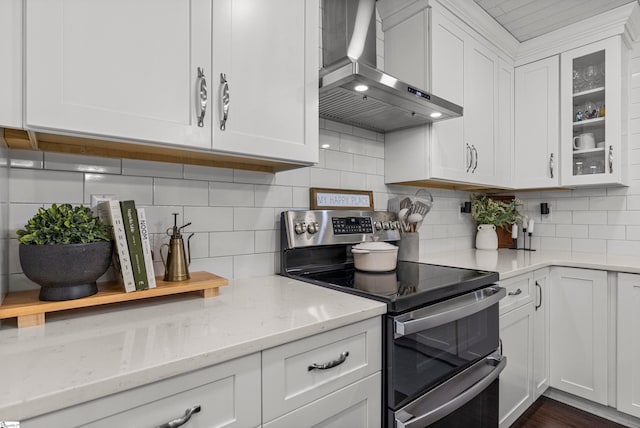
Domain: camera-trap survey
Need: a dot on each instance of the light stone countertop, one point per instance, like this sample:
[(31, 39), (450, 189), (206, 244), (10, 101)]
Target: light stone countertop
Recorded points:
[(85, 354), (510, 263)]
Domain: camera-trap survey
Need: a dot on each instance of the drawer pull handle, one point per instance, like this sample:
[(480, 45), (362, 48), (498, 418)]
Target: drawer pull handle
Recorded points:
[(515, 293), (330, 364), (178, 422)]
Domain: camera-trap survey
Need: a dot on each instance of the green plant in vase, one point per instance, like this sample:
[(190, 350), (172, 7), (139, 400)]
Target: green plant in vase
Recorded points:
[(65, 249), (490, 214)]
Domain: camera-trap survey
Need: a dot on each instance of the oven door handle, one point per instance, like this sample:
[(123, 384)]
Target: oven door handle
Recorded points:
[(447, 311), (461, 389)]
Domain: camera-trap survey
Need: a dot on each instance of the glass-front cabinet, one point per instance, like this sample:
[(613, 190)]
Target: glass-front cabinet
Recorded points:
[(593, 133)]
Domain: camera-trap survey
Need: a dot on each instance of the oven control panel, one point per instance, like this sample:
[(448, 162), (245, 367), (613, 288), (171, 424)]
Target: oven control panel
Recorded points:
[(330, 227)]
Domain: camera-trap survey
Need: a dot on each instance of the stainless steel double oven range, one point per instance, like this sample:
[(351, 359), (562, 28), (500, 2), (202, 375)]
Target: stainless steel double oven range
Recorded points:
[(441, 356)]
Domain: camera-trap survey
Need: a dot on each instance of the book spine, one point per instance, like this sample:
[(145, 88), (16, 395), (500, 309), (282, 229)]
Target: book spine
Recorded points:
[(146, 247), (132, 231), (109, 212)]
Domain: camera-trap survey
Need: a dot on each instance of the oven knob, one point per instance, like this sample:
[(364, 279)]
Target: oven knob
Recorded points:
[(385, 225), (299, 228), (392, 225), (312, 228), (378, 225)]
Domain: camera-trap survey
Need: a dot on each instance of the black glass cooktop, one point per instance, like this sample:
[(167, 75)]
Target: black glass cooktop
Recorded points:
[(410, 286)]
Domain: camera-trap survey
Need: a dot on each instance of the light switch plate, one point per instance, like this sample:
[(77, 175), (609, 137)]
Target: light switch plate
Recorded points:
[(96, 199)]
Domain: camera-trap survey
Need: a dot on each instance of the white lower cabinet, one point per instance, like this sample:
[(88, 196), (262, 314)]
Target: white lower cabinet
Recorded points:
[(228, 395), (540, 332), (357, 405), (332, 379), (628, 353), (516, 336), (578, 338)]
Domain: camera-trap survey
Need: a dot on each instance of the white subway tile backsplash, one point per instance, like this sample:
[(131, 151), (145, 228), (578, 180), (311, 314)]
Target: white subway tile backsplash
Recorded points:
[(207, 173), (633, 202), (199, 244), (136, 167), (572, 204), (26, 159), (267, 241), (375, 149), (221, 266), (623, 247), (364, 164), (379, 166), (19, 214), (208, 219), (139, 189), (253, 177), (341, 128), (180, 192), (273, 196), (254, 265), (624, 217), (554, 244), (82, 163), (353, 180), (255, 219), (231, 194), (600, 231), (375, 183), (300, 198), (365, 133), (608, 203), (329, 140), (231, 243), (40, 186), (295, 178), (354, 144), (581, 245), (589, 217), (324, 178), (543, 229), (14, 256), (338, 160), (160, 218), (633, 233)]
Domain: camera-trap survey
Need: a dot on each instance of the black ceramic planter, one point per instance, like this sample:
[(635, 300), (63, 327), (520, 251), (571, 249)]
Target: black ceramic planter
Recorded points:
[(66, 271)]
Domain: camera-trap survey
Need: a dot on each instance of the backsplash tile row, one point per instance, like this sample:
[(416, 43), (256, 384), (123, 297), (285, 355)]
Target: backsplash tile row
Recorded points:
[(234, 214), (4, 221)]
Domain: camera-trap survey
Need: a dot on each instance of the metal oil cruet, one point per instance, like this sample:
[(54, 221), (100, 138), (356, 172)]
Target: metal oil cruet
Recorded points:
[(176, 264)]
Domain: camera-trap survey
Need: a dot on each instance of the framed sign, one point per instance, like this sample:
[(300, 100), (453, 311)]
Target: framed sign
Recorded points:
[(340, 199)]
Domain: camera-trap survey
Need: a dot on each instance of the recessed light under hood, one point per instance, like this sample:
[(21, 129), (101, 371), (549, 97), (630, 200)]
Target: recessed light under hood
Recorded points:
[(381, 102)]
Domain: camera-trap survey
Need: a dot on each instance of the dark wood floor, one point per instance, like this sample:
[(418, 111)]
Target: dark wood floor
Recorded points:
[(548, 413)]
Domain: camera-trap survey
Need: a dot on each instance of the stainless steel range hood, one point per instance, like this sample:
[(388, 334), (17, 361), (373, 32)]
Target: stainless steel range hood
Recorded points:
[(353, 91)]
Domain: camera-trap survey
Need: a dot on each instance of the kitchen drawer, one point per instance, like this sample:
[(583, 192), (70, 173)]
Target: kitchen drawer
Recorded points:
[(357, 405), (228, 394), (519, 292), (287, 381)]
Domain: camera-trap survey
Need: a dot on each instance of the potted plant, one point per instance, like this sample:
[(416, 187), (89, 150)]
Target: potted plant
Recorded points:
[(65, 249), (490, 214)]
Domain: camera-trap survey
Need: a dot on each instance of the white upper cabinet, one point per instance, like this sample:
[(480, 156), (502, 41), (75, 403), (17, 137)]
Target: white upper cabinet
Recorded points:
[(265, 77), (461, 67), (536, 158), (11, 70), (593, 124), (119, 69)]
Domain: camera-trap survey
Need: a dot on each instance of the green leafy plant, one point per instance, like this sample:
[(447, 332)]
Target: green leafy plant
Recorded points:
[(485, 210), (63, 224)]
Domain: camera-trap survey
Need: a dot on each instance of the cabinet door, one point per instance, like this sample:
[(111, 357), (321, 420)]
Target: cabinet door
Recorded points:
[(11, 70), (480, 91), (516, 333), (578, 339), (450, 157), (228, 395), (267, 53), (118, 69), (540, 332), (357, 405), (628, 353), (537, 123), (592, 114)]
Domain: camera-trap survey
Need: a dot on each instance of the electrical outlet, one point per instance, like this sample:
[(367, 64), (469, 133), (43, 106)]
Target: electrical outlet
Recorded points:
[(96, 199)]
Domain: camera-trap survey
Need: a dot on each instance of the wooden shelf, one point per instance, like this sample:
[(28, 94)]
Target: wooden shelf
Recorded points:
[(30, 311)]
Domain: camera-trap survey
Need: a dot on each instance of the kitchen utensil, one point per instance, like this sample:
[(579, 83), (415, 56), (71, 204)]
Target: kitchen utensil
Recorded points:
[(375, 256), (584, 141), (402, 218), (176, 264), (413, 221), (405, 203), (393, 205)]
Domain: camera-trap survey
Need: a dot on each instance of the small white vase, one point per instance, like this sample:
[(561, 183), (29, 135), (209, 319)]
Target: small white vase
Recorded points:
[(487, 238)]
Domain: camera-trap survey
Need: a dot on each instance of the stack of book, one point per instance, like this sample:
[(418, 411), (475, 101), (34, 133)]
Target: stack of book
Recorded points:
[(132, 248)]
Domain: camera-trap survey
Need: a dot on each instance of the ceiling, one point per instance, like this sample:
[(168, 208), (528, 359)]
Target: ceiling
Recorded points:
[(526, 19)]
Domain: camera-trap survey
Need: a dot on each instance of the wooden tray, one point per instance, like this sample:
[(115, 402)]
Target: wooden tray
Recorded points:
[(30, 311)]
